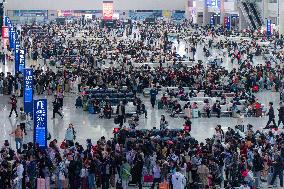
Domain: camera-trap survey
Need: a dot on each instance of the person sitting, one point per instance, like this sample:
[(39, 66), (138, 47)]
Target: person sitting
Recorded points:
[(217, 108), (207, 109), (192, 94), (163, 123), (107, 110), (96, 106), (143, 110), (176, 109), (79, 102), (164, 100), (187, 124), (194, 105)]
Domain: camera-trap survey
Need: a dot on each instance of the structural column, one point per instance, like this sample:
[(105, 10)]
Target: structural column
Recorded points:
[(222, 12), (281, 17), (206, 15), (265, 12)]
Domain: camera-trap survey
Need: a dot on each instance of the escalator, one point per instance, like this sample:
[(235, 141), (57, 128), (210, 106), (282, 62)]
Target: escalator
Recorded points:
[(249, 15), (255, 14)]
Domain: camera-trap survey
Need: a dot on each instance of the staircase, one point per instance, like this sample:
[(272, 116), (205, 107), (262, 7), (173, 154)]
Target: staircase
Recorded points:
[(251, 14)]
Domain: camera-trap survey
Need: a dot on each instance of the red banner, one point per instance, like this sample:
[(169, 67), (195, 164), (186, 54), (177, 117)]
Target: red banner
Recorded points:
[(107, 10), (5, 32)]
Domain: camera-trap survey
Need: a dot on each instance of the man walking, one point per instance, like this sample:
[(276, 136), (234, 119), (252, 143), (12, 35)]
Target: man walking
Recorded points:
[(13, 103), (271, 116), (120, 111), (281, 114), (56, 108)]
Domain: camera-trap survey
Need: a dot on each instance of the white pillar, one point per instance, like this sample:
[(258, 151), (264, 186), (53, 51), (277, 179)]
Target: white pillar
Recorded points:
[(222, 12), (281, 17), (265, 11), (206, 16)]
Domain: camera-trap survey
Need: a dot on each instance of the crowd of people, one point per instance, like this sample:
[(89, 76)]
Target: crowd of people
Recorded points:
[(83, 57)]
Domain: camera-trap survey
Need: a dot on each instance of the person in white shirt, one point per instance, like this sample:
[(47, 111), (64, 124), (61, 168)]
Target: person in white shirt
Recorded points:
[(157, 174), (19, 170), (178, 180)]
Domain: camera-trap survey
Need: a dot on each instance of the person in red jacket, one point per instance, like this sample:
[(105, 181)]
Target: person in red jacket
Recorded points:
[(13, 103)]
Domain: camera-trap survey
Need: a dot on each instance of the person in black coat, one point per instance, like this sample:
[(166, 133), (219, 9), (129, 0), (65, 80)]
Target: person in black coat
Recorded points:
[(277, 169), (120, 111), (281, 114), (56, 107), (271, 116)]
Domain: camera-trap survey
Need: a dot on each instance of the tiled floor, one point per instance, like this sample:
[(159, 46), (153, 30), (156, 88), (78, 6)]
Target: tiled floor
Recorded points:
[(91, 126)]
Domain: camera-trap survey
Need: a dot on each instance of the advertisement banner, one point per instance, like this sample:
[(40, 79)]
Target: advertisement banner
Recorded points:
[(40, 122), (268, 27), (28, 91), (212, 20), (12, 37), (228, 25), (107, 10), (17, 55), (22, 60), (5, 32)]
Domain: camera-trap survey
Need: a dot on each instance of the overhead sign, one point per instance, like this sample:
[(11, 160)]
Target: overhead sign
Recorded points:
[(28, 91), (107, 10), (40, 122)]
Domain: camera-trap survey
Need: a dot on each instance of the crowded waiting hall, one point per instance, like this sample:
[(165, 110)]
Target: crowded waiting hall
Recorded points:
[(132, 94)]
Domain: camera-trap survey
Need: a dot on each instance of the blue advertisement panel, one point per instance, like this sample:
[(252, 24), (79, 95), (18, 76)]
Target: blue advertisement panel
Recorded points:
[(12, 37), (17, 54), (8, 22), (28, 91), (212, 20), (268, 27), (40, 122), (22, 60), (228, 24)]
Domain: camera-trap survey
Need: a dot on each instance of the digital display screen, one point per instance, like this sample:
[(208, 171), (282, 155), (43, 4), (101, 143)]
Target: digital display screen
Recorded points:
[(107, 10)]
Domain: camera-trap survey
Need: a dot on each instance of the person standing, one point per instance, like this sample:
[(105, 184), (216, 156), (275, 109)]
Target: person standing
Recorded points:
[(125, 173), (120, 111), (257, 167), (70, 135), (178, 180), (271, 116), (153, 95), (18, 134), (281, 114), (56, 108), (277, 169), (19, 172), (13, 103), (156, 174)]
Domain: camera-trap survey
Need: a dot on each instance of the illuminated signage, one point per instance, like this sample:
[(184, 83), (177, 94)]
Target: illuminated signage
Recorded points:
[(40, 122), (107, 10), (28, 91)]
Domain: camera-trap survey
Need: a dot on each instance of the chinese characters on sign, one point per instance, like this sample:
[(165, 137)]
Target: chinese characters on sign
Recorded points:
[(107, 10), (17, 54), (40, 122), (268, 27), (22, 60), (28, 91)]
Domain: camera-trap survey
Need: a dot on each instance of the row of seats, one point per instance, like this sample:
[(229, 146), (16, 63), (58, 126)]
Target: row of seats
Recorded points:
[(115, 101), (112, 95), (225, 109)]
